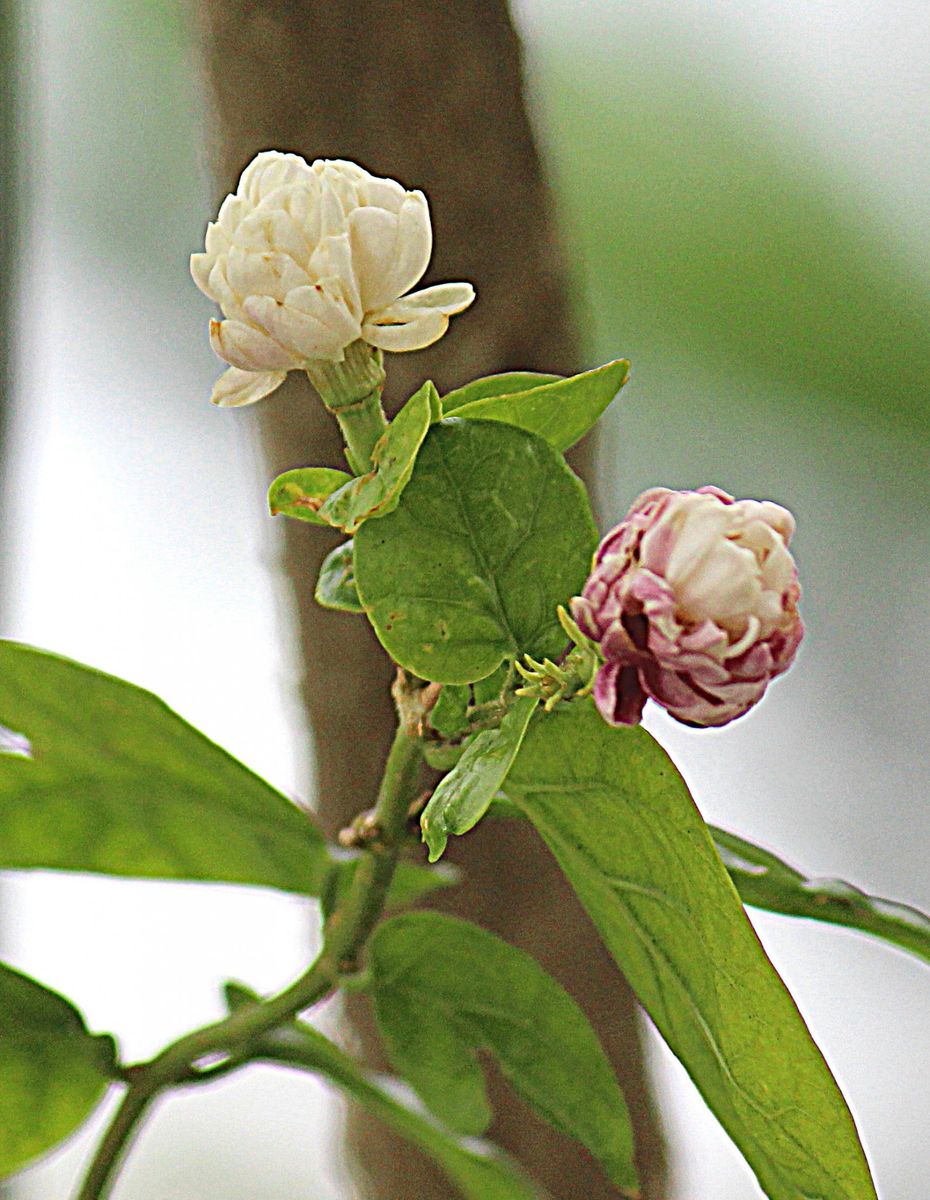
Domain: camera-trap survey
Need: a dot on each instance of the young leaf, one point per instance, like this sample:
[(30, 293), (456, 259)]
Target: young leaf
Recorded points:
[(463, 796), (443, 989), (562, 412), (491, 534), (495, 385), (448, 715), (377, 493), (479, 1170), (765, 881), (53, 1072), (619, 819), (119, 784), (335, 587), (300, 493)]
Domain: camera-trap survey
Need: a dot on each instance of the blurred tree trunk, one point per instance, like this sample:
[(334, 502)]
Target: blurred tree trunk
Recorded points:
[(432, 95)]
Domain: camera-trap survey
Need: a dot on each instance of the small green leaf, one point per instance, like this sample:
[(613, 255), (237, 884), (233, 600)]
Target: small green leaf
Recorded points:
[(491, 534), (53, 1073), (765, 881), (477, 1168), (121, 785), (444, 989), (618, 817), (300, 493), (377, 493), (495, 385), (492, 686), (335, 587), (561, 412), (463, 796), (449, 714)]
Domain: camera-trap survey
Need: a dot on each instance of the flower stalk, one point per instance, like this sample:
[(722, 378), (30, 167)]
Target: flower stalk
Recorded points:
[(228, 1043)]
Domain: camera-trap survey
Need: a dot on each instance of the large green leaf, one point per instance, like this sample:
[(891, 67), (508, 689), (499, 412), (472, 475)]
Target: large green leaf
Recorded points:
[(462, 798), (562, 411), (765, 881), (479, 1170), (618, 817), (377, 493), (119, 784), (300, 493), (495, 385), (444, 989), (491, 534), (52, 1071)]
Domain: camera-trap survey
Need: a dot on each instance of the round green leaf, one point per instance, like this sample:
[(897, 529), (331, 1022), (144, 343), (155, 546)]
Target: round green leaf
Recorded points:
[(491, 534)]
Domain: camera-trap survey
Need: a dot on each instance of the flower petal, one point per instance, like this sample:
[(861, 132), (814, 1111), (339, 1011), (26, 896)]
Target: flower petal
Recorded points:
[(235, 388), (249, 349), (425, 328), (412, 251), (373, 238), (448, 298), (306, 337)]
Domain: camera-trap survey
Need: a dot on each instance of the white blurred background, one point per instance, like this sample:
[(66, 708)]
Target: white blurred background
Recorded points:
[(137, 539)]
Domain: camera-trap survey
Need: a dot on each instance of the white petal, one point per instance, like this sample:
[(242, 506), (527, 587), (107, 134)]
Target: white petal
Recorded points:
[(306, 337), (448, 298), (373, 238), (382, 193), (333, 208), (233, 212), (217, 240), (263, 273), (242, 346), (332, 260), (270, 170), (325, 301), (234, 388), (201, 266), (221, 292), (425, 328), (413, 249)]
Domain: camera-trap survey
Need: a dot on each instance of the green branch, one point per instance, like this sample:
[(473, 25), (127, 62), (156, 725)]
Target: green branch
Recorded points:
[(345, 934)]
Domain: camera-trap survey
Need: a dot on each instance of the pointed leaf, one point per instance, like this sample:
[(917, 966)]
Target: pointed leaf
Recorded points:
[(120, 784), (479, 1170), (335, 587), (300, 493), (377, 493), (618, 817), (765, 881), (495, 385), (492, 533), (53, 1072), (444, 988), (561, 412), (463, 796)]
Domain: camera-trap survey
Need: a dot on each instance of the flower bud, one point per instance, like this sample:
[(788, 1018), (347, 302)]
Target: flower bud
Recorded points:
[(305, 259), (693, 602)]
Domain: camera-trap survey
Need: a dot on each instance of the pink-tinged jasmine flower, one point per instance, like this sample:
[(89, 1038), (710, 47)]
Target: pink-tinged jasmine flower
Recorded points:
[(693, 602)]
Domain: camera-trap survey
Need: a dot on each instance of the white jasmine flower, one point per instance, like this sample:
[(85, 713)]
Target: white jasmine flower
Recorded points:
[(305, 259)]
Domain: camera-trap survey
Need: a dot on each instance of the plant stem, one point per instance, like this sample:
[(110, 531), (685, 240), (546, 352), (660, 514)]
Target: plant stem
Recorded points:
[(345, 934), (351, 391)]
